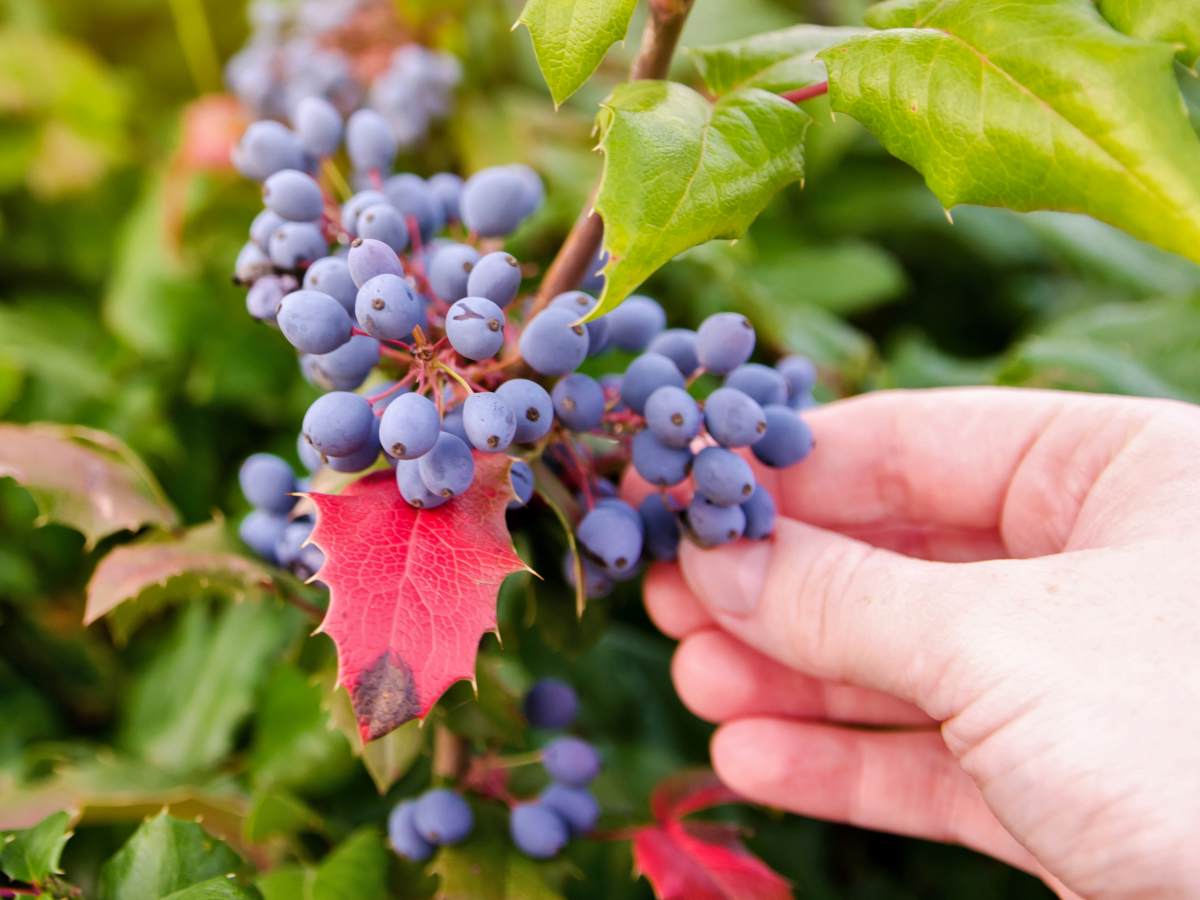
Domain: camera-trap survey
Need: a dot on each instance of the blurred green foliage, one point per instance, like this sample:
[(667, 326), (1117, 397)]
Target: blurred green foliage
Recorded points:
[(116, 311)]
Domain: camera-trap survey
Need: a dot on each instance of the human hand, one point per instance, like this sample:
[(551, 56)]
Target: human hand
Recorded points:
[(1013, 577)]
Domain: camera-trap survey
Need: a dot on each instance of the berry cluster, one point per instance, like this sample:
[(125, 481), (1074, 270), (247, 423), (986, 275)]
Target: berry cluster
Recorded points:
[(539, 827), (294, 53), (269, 485)]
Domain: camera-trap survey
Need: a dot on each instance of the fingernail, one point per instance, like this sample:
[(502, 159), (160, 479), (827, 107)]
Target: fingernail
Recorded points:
[(728, 579)]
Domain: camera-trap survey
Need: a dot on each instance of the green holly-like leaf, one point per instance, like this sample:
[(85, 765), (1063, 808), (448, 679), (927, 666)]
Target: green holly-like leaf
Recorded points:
[(187, 702), (1028, 104), (386, 759), (136, 580), (570, 38), (679, 171), (166, 855), (222, 888), (775, 61), (83, 478), (1173, 21), (32, 855), (355, 870), (275, 813)]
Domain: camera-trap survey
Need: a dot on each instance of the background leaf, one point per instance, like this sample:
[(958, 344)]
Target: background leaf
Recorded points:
[(1083, 119), (83, 478), (679, 171), (570, 38), (1173, 21), (33, 854), (163, 856)]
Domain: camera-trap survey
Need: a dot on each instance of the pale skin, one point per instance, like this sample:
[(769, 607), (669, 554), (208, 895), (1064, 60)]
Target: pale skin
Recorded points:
[(978, 622)]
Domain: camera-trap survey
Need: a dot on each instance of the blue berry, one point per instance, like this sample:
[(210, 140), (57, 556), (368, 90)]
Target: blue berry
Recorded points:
[(537, 830), (387, 308), (712, 524), (293, 195), (581, 304), (263, 227), (443, 817), (251, 264), (267, 147), (678, 345), (552, 344), (579, 402), (446, 187), (661, 527), (724, 341), (722, 476), (291, 542), (494, 201), (606, 533), (520, 477), (533, 408), (362, 458), (265, 295), (370, 141), (496, 276), (571, 761), (800, 375), (535, 191), (261, 530), (593, 279), (452, 422), (403, 836), (356, 205), (318, 126), (268, 482), (449, 270), (761, 383), (645, 375), (347, 367), (409, 427), (338, 423), (636, 322), (733, 418), (475, 327), (787, 440), (381, 222), (411, 197), (490, 423), (448, 468), (596, 583), (296, 245), (673, 416), (657, 463), (369, 257), (310, 456), (313, 322), (551, 703), (412, 486), (576, 806), (331, 275), (760, 514)]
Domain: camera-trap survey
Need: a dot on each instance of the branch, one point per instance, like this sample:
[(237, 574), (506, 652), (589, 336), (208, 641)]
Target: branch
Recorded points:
[(806, 93), (450, 756), (659, 39)]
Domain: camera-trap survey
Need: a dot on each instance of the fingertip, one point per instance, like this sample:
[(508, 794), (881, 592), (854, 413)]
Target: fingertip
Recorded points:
[(670, 603), (748, 757)]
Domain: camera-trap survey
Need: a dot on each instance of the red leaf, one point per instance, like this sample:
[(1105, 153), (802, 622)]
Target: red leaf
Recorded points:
[(700, 860), (412, 592)]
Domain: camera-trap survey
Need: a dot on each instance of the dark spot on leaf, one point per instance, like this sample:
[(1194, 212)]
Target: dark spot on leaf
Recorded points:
[(384, 698)]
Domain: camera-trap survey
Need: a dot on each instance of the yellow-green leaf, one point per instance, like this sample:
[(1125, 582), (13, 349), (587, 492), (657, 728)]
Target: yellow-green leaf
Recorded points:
[(775, 61), (679, 170), (570, 38), (32, 855), (1173, 21), (83, 478), (1028, 104)]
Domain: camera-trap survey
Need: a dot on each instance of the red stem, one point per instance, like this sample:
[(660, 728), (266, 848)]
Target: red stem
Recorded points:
[(806, 93)]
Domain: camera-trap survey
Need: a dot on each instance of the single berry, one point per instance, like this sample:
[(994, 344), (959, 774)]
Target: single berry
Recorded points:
[(313, 322), (760, 514), (490, 423), (412, 486), (673, 416), (712, 525), (761, 383), (331, 275), (636, 322), (443, 817), (403, 835), (722, 476), (382, 222), (577, 807), (496, 276), (679, 346), (449, 270), (387, 308), (552, 344), (657, 463), (571, 761), (578, 402), (448, 468), (409, 426), (605, 532), (645, 375), (261, 530), (661, 526), (551, 703), (724, 341), (268, 482), (293, 195), (368, 258), (475, 327), (733, 418), (787, 440), (533, 408), (338, 423), (520, 478), (537, 830)]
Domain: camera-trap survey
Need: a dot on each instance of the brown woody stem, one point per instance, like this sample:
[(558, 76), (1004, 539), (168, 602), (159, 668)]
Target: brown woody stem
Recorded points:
[(450, 757), (659, 40)]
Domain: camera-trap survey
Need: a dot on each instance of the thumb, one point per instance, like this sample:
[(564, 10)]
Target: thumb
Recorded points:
[(841, 609)]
